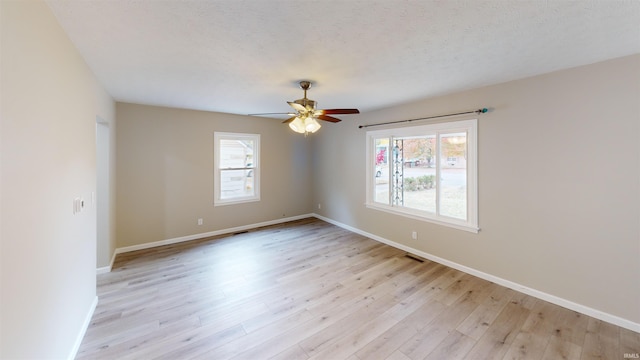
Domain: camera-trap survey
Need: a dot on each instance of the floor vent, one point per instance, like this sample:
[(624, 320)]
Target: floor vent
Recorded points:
[(414, 258)]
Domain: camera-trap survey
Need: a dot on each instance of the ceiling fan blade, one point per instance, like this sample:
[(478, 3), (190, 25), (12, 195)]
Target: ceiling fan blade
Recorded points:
[(337, 111), (297, 106), (328, 118), (278, 113), (289, 120)]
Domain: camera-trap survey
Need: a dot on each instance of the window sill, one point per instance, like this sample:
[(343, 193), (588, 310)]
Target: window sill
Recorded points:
[(416, 216), (235, 201)]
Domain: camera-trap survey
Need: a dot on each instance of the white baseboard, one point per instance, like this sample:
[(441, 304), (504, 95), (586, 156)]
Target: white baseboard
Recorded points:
[(613, 319), (207, 234), (107, 269), (83, 330)]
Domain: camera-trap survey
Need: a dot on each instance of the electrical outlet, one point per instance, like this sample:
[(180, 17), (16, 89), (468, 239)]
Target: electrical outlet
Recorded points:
[(200, 221), (319, 206), (414, 235)]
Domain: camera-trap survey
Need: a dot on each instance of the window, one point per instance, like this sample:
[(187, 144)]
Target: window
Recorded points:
[(236, 168), (426, 172)]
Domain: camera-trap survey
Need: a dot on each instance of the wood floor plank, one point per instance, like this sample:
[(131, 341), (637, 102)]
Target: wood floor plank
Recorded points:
[(433, 333), (558, 348), (397, 355), (629, 343), (323, 339), (293, 353), (186, 344), (601, 341), (308, 289), (458, 288), (387, 343), (455, 346), (116, 334), (355, 340), (497, 339), (535, 334), (483, 316), (288, 341), (254, 343)]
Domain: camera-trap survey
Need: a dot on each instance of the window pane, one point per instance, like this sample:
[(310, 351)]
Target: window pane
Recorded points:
[(381, 171), (236, 183), (236, 168), (236, 153), (453, 175), (419, 173)]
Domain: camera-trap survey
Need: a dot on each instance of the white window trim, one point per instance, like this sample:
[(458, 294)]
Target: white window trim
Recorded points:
[(471, 127), (217, 200)]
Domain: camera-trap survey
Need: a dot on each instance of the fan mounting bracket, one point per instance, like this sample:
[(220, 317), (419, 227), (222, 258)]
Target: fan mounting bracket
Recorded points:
[(305, 85)]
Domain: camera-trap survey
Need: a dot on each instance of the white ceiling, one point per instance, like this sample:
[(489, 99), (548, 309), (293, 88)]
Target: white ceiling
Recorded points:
[(247, 56)]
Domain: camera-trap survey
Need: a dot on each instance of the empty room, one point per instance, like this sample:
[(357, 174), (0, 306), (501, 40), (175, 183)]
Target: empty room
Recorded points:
[(348, 179)]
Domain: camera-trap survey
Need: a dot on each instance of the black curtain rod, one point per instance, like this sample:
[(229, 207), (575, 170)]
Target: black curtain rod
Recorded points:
[(479, 111)]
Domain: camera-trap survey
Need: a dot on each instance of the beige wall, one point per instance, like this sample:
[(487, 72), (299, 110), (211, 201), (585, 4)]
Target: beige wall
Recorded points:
[(50, 101), (559, 184), (165, 173)]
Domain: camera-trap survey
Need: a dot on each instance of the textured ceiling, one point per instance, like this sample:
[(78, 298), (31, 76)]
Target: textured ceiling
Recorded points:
[(246, 56)]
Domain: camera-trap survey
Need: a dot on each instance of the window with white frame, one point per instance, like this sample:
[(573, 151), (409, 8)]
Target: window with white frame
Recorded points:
[(236, 168), (427, 172)]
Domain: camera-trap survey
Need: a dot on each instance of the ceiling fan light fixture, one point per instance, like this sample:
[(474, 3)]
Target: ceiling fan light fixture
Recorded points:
[(298, 125), (311, 125)]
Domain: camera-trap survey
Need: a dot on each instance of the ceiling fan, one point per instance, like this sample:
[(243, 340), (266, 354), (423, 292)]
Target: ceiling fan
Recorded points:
[(304, 119)]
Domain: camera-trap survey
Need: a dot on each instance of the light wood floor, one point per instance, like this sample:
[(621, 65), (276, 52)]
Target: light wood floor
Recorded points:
[(311, 290)]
